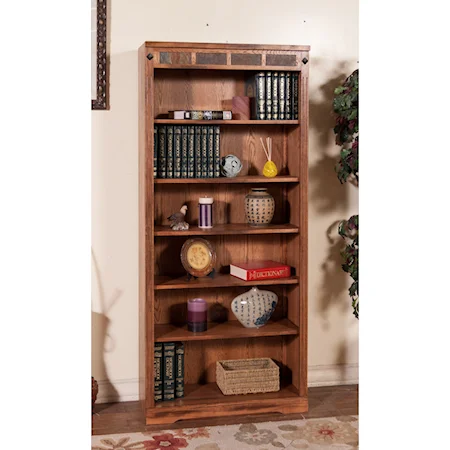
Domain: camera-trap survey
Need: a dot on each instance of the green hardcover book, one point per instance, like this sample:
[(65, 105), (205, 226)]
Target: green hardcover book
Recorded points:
[(211, 157), (281, 96), (155, 152), (191, 153), (204, 152), (216, 151), (287, 97), (158, 372), (162, 152), (275, 104), (294, 95), (269, 95), (184, 152), (169, 371), (170, 153), (255, 88), (198, 151), (179, 373), (177, 152)]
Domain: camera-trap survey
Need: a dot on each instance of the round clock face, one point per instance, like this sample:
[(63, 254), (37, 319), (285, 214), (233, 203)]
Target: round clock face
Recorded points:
[(198, 257)]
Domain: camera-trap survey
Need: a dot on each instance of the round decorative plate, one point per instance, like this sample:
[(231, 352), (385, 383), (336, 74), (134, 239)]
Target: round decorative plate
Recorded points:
[(198, 257)]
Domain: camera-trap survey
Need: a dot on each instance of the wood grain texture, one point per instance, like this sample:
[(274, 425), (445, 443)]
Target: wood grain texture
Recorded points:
[(226, 330), (225, 122), (231, 47), (165, 291)]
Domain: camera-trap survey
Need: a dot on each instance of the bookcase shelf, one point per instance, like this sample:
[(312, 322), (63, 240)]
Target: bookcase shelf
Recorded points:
[(192, 76), (253, 179), (225, 122), (226, 229), (226, 330), (219, 280)]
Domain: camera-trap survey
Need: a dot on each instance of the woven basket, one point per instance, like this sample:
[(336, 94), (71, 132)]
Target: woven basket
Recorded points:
[(247, 376)]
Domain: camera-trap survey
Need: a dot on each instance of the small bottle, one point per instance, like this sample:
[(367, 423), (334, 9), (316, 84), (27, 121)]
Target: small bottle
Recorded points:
[(205, 215), (197, 315)]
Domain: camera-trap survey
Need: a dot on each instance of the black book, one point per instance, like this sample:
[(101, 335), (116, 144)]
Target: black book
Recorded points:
[(216, 151), (169, 371), (211, 157), (281, 96), (155, 152), (275, 101), (294, 95), (287, 97), (198, 151), (162, 152), (177, 152), (191, 152), (179, 373), (269, 95), (158, 372), (184, 152), (170, 153), (255, 88), (204, 152)]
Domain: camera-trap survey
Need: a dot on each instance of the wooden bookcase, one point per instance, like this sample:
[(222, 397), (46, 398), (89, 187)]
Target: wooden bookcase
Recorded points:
[(206, 76)]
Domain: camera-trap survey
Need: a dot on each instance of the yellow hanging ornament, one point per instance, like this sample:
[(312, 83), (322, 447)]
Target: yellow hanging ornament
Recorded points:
[(270, 169)]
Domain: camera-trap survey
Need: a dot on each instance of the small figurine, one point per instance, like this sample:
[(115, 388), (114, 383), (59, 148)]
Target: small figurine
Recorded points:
[(230, 166), (270, 169), (177, 220)]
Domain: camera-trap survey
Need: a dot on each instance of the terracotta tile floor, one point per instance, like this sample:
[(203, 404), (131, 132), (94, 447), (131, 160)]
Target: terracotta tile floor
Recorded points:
[(328, 401)]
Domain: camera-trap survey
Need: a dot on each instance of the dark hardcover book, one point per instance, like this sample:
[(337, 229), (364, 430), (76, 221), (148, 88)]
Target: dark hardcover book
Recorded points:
[(177, 152), (209, 115), (204, 152), (287, 97), (294, 95), (191, 152), (155, 152), (275, 104), (162, 152), (255, 89), (198, 151), (281, 96), (269, 95), (169, 152), (216, 151), (211, 156), (158, 372), (184, 152), (179, 373), (169, 371)]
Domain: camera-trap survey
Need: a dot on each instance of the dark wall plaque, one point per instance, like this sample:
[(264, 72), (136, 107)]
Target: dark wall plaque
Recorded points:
[(212, 58), (246, 59), (281, 60)]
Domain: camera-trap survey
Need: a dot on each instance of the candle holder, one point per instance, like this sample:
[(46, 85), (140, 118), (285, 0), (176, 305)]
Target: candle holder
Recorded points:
[(205, 215), (197, 315)]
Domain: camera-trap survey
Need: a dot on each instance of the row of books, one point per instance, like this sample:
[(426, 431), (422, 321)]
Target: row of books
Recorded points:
[(275, 95), (169, 371), (186, 151)]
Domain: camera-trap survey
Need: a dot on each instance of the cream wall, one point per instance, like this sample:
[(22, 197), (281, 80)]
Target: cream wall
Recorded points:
[(331, 28)]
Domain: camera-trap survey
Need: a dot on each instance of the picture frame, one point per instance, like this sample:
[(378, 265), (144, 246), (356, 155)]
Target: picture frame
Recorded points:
[(99, 60)]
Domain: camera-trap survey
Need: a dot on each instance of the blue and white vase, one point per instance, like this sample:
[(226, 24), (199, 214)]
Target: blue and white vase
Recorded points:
[(254, 307)]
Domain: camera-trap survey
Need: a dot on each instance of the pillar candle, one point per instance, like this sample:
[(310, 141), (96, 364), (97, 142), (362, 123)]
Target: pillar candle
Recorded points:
[(197, 311), (205, 205)]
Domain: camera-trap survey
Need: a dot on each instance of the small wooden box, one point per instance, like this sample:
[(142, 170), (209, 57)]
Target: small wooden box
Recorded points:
[(247, 376), (240, 107)]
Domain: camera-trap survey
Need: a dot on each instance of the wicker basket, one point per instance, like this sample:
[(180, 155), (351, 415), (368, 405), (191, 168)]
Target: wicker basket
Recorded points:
[(247, 376)]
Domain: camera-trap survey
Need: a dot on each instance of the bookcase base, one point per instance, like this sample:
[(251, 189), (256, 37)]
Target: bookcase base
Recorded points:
[(164, 416)]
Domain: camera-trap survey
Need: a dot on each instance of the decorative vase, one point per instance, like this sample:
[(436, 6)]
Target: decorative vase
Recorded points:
[(259, 207), (254, 307)]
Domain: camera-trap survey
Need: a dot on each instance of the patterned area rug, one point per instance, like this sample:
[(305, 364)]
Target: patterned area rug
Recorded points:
[(332, 433)]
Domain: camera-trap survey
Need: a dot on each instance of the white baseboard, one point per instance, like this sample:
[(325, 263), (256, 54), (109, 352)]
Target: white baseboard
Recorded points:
[(128, 390), (333, 375)]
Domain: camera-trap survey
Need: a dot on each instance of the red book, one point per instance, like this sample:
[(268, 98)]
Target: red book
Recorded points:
[(260, 270)]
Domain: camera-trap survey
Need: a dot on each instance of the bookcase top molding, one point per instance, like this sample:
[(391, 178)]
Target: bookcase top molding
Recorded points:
[(204, 45)]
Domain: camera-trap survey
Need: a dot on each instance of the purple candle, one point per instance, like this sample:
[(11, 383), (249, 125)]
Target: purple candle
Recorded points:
[(197, 308), (205, 205)]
